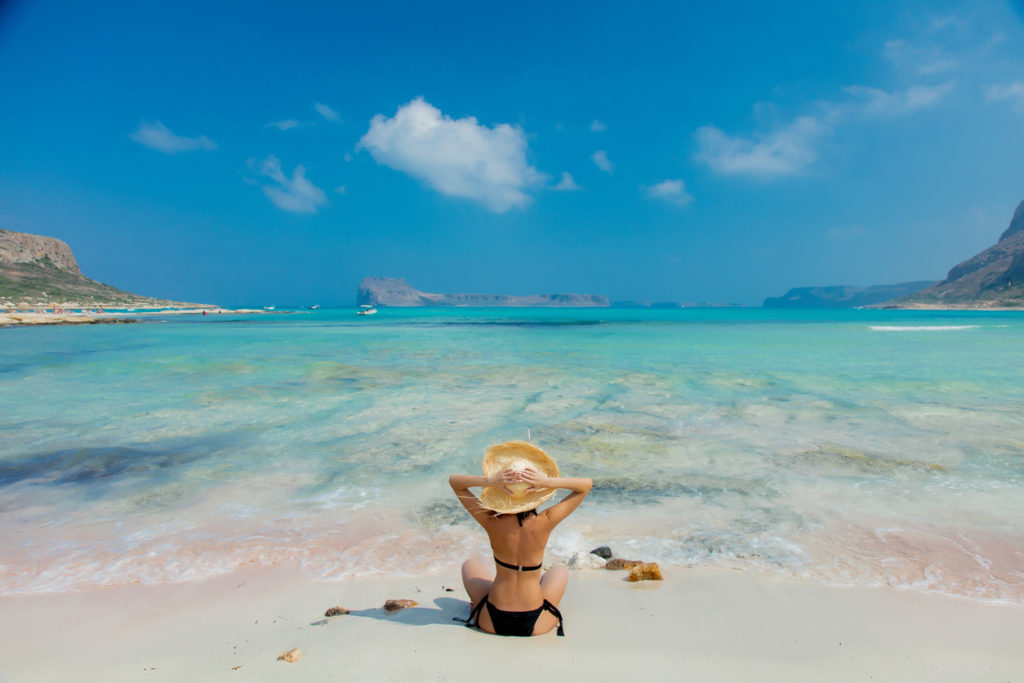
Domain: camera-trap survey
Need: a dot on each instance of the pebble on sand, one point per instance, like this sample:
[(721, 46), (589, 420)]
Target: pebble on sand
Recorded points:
[(585, 561), (618, 563), (602, 551), (395, 605), (645, 571), (291, 656), (335, 611)]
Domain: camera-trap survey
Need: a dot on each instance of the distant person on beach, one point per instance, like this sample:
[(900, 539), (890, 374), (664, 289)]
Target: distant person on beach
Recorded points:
[(518, 477)]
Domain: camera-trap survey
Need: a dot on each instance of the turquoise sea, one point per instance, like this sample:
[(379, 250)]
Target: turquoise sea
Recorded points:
[(846, 447)]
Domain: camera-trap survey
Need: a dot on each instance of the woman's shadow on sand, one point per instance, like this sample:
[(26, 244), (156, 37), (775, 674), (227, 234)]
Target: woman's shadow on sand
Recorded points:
[(448, 612)]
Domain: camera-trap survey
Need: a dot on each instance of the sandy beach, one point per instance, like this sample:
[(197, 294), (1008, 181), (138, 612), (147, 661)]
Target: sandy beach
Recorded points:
[(714, 625)]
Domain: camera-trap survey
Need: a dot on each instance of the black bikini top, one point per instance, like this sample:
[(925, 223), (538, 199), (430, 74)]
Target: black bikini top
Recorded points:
[(520, 516), (517, 567)]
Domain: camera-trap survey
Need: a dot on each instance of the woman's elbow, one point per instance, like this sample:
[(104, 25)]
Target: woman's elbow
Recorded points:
[(588, 484)]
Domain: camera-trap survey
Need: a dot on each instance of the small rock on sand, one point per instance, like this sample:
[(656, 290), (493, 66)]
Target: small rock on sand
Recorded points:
[(645, 571), (395, 605), (618, 563), (602, 551), (585, 561), (335, 611), (293, 655)]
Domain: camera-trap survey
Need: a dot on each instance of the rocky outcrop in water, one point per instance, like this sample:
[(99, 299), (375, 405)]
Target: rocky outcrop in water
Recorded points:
[(992, 279), (387, 291)]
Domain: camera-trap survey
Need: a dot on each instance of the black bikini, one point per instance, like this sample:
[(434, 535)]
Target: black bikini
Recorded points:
[(514, 623)]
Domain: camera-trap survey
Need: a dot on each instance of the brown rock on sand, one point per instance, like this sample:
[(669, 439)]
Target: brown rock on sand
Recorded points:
[(335, 612), (293, 655), (621, 564), (395, 605), (645, 571)]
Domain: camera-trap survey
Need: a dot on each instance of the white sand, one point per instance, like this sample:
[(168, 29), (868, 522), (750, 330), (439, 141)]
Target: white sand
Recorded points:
[(697, 625)]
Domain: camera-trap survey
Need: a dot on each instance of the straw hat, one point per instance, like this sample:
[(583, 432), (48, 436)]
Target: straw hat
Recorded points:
[(516, 455)]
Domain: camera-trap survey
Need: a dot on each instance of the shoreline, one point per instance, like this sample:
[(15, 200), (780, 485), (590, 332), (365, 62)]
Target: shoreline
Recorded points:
[(21, 319), (712, 624)]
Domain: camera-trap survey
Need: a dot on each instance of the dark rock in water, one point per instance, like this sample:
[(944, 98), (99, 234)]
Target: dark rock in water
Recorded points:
[(602, 551), (335, 612), (395, 605), (621, 564)]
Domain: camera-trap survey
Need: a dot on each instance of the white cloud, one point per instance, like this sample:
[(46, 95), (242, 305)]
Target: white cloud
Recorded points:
[(600, 157), (784, 151), (1012, 92), (326, 112), (672, 191), (158, 136), (597, 127), (286, 124), (880, 102), (457, 157), (923, 60), (566, 184), (296, 194)]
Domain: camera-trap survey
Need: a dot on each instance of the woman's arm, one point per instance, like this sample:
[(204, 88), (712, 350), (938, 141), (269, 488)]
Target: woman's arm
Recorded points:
[(461, 484), (580, 487)]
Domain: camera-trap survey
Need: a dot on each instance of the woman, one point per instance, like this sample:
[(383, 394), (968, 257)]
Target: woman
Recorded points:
[(518, 477)]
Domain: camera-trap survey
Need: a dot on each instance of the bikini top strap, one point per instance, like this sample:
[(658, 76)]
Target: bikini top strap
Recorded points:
[(558, 615)]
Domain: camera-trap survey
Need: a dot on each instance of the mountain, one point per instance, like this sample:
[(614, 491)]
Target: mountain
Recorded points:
[(387, 291), (38, 271), (843, 296), (992, 279)]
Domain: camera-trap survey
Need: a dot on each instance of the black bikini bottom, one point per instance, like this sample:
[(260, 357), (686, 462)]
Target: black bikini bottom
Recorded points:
[(513, 623)]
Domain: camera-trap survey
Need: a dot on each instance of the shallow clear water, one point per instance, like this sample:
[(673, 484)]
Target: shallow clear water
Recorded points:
[(849, 447)]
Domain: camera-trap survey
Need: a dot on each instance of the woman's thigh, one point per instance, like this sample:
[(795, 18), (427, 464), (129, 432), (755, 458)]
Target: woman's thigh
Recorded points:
[(552, 586), (477, 578)]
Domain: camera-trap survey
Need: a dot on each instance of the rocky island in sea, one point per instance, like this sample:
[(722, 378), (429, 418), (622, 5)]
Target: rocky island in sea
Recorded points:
[(396, 292), (843, 296)]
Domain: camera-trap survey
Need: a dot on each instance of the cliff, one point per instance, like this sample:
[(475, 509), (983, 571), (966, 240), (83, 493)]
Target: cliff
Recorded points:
[(38, 271), (992, 279), (843, 296), (386, 291)]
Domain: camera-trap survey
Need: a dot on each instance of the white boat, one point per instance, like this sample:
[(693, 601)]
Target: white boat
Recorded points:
[(269, 308), (366, 309), (314, 307)]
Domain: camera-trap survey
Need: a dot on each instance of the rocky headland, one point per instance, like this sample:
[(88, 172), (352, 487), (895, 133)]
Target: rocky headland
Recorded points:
[(993, 279), (396, 292), (843, 296), (38, 272)]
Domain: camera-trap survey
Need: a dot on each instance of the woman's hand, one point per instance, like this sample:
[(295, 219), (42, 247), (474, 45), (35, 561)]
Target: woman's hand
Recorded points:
[(535, 479), (504, 478)]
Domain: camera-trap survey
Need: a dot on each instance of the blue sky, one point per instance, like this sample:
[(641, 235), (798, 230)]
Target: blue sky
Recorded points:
[(259, 153)]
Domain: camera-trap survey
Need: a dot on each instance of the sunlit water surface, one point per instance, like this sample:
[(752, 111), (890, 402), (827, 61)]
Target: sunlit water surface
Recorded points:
[(845, 447)]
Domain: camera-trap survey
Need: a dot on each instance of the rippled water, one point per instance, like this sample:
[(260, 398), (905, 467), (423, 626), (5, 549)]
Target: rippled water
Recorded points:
[(850, 447)]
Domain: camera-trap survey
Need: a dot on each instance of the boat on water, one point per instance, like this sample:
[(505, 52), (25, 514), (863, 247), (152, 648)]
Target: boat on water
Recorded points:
[(366, 309), (314, 307), (269, 308)]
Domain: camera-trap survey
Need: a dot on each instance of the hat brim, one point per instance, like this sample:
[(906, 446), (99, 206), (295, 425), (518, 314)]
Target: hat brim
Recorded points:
[(502, 456)]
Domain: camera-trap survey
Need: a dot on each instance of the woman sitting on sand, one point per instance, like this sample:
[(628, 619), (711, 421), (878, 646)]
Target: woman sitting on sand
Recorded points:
[(518, 477)]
